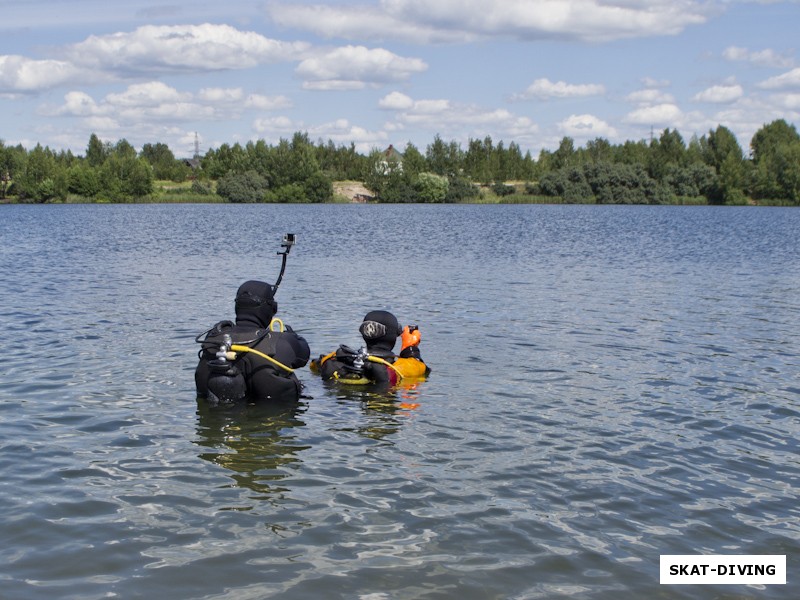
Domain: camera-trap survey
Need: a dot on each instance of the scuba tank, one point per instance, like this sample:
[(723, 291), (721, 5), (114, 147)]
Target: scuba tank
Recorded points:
[(353, 366), (226, 383)]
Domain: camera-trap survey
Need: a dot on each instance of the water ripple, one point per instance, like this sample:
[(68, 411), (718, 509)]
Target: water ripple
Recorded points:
[(608, 386)]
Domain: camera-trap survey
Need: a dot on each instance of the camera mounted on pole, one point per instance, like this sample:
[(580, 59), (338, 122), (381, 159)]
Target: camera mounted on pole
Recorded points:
[(288, 241)]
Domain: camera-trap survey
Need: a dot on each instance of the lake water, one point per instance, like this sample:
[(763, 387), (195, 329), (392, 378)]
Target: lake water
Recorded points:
[(610, 384)]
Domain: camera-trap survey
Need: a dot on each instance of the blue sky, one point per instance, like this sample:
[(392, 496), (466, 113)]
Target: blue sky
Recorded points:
[(386, 72)]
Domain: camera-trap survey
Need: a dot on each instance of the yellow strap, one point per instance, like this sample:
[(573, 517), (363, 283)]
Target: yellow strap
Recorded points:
[(240, 348), (278, 322), (326, 358), (351, 380)]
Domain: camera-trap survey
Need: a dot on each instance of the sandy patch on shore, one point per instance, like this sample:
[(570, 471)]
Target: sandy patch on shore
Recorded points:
[(353, 190)]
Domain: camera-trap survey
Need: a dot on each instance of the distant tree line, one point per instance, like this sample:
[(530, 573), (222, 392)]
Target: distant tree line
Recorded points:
[(712, 168), (107, 172)]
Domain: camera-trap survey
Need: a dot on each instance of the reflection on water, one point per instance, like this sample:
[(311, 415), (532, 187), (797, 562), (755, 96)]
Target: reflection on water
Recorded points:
[(384, 409), (256, 442)]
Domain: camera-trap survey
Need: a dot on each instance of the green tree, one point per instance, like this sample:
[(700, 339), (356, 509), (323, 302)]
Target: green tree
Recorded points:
[(624, 184), (565, 156), (461, 189), (478, 160), (431, 187), (443, 159), (414, 162), (83, 180), (568, 184), (247, 187), (165, 165), (544, 164), (123, 149), (291, 161), (774, 150), (125, 177), (724, 154), (666, 153), (95, 151), (721, 143), (788, 168), (226, 159), (599, 150), (501, 189), (340, 163), (317, 187), (694, 151), (692, 181), (632, 153), (41, 179), (513, 163), (770, 139), (259, 157), (287, 193), (12, 162)]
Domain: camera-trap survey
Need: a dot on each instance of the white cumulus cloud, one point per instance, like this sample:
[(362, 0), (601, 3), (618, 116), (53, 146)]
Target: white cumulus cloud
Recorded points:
[(586, 127), (180, 48), (217, 94), (149, 50), (152, 93), (788, 80), (155, 101), (237, 97), (544, 89), (424, 21), (763, 58), (720, 94), (262, 102), (276, 126), (396, 101), (353, 67), (668, 115), (456, 120), (21, 74), (649, 97)]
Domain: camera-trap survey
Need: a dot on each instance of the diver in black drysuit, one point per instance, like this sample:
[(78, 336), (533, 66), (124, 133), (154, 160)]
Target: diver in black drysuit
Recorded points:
[(249, 375), (380, 330)]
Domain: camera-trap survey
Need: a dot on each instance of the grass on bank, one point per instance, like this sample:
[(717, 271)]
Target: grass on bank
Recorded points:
[(167, 192)]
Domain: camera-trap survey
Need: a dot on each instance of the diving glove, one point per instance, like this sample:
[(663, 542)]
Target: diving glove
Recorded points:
[(410, 336)]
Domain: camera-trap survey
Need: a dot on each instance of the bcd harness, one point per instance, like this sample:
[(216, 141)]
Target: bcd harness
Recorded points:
[(227, 345), (354, 365)]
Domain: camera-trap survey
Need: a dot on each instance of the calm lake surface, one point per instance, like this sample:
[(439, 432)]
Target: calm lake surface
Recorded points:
[(610, 384)]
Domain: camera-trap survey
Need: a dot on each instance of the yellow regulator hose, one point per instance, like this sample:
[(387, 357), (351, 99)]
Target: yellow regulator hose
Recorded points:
[(380, 361), (240, 348)]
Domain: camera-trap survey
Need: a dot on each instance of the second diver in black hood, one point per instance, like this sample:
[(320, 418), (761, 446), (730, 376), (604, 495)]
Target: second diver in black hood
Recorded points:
[(377, 363)]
